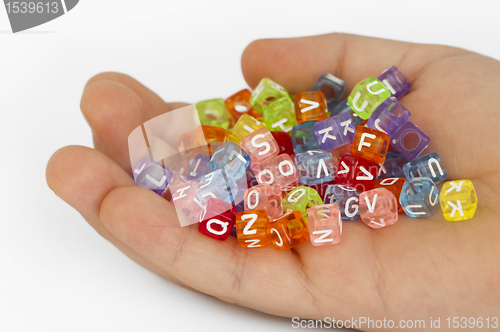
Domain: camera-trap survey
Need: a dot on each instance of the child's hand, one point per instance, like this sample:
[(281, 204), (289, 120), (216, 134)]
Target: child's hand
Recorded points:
[(415, 269)]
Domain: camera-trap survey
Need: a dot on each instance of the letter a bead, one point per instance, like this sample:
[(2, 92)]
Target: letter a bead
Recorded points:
[(357, 172), (324, 224), (366, 96), (260, 145), (378, 208), (310, 106), (458, 200), (370, 144), (288, 231), (217, 219), (251, 229)]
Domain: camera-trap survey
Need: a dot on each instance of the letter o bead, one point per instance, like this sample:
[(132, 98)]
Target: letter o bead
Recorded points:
[(458, 200)]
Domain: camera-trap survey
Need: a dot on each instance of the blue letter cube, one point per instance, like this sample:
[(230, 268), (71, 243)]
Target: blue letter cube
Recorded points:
[(315, 166), (303, 138), (419, 197), (428, 165), (347, 199)]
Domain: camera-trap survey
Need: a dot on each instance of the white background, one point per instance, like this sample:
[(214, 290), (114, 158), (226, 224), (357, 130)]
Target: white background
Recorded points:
[(56, 273)]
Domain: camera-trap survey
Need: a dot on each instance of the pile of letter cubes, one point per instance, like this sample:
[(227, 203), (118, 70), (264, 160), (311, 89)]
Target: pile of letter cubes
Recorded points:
[(282, 169)]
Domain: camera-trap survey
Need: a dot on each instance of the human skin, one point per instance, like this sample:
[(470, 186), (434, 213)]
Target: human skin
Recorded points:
[(415, 269)]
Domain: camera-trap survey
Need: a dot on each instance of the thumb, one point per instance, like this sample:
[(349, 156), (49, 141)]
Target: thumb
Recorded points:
[(296, 63)]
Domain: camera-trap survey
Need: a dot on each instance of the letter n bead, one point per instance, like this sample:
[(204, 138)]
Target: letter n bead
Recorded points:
[(378, 208), (458, 200), (325, 224), (260, 145), (419, 197), (217, 219), (251, 229), (288, 231)]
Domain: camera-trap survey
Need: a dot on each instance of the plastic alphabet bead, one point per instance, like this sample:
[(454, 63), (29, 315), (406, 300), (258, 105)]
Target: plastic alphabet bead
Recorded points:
[(199, 167), (264, 197), (366, 96), (232, 159), (260, 145), (408, 150), (284, 142), (217, 219), (357, 172), (152, 175), (419, 197), (394, 185), (303, 137), (395, 81), (239, 104), (207, 135), (288, 231), (346, 198), (324, 225), (279, 170), (392, 166), (458, 200), (335, 131), (213, 112), (215, 185), (378, 208), (301, 199), (344, 108), (279, 115), (251, 229), (429, 165), (310, 106), (389, 116), (266, 92), (326, 82), (244, 126), (315, 166), (370, 144), (183, 196)]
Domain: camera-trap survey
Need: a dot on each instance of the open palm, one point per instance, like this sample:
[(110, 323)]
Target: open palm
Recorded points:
[(415, 269)]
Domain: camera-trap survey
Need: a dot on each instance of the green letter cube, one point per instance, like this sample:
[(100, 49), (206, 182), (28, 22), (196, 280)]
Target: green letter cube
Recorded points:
[(279, 116), (266, 92), (301, 199), (213, 112), (366, 96)]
